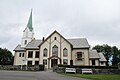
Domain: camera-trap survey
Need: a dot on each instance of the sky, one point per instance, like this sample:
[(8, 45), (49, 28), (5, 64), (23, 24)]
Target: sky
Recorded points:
[(96, 20)]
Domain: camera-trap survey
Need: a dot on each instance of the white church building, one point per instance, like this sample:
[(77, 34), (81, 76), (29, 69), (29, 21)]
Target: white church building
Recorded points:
[(55, 49)]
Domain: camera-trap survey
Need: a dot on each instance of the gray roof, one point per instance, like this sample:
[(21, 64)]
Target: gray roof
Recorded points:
[(79, 43), (33, 44), (93, 54), (19, 48), (102, 57)]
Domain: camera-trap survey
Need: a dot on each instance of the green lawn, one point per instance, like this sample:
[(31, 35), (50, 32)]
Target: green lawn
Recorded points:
[(96, 76)]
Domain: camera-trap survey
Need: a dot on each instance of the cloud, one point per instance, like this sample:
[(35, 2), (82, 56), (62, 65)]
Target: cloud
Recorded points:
[(97, 20)]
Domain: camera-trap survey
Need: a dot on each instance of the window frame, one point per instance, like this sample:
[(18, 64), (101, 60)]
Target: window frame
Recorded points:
[(37, 54), (45, 52), (30, 56), (65, 52), (80, 57), (45, 63), (20, 54), (36, 62), (29, 63), (23, 54), (102, 63), (55, 50), (55, 38)]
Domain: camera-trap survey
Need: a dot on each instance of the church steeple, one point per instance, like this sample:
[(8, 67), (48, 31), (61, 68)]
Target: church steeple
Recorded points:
[(28, 33), (29, 25)]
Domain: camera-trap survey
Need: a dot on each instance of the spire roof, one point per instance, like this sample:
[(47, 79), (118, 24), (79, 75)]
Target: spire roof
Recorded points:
[(29, 25)]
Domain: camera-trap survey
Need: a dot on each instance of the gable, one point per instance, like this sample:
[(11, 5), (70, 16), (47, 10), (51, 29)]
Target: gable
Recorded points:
[(58, 37)]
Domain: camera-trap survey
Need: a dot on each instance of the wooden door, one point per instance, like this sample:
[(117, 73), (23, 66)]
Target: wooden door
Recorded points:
[(54, 62)]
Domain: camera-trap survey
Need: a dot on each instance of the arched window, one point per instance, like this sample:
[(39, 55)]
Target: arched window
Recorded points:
[(55, 38), (65, 52), (45, 51), (55, 50)]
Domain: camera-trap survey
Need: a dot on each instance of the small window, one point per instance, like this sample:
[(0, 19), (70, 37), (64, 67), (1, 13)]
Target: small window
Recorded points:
[(45, 51), (37, 54), (65, 61), (55, 38), (65, 52), (36, 62), (102, 63), (25, 41), (30, 54), (29, 63), (45, 61), (20, 54), (79, 56)]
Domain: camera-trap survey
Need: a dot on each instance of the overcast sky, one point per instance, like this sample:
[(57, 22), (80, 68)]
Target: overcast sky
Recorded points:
[(96, 20)]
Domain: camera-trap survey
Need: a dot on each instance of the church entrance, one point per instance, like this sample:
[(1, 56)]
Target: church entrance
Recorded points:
[(54, 62)]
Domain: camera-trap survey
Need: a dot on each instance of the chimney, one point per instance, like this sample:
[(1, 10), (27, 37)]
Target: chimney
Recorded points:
[(43, 39)]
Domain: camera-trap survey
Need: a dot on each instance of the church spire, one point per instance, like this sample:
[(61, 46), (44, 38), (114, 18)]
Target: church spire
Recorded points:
[(29, 25), (28, 33)]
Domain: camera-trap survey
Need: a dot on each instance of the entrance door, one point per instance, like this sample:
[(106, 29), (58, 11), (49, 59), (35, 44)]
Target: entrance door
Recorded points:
[(54, 62), (93, 62)]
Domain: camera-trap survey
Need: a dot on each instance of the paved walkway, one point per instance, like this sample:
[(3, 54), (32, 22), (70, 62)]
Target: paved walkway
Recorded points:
[(42, 75)]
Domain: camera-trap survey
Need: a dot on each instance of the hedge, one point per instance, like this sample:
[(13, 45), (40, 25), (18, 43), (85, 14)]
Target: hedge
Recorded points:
[(95, 67)]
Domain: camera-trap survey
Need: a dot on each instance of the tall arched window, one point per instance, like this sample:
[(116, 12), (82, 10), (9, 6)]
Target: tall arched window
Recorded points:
[(55, 50), (65, 52), (45, 51)]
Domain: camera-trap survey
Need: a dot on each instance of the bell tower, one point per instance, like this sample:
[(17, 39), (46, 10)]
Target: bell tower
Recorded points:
[(28, 33)]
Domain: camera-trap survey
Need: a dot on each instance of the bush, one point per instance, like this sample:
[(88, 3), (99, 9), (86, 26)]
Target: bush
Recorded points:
[(93, 67), (41, 67)]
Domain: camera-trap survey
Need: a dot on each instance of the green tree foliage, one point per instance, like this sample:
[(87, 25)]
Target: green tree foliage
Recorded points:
[(6, 57), (116, 56), (99, 48), (108, 52)]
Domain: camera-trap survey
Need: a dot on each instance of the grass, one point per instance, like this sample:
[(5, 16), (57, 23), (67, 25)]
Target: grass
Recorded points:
[(96, 76)]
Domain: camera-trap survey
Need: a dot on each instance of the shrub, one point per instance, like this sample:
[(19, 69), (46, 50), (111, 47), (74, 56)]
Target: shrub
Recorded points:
[(41, 67), (93, 67)]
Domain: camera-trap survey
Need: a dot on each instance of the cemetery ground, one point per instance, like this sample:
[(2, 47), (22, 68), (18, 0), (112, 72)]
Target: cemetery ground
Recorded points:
[(95, 76)]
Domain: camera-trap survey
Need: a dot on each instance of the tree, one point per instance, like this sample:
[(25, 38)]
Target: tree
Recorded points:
[(106, 50), (6, 57), (99, 48), (109, 52), (116, 56)]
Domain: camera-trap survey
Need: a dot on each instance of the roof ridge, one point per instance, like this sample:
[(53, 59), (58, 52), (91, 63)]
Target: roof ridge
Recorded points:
[(77, 38), (37, 39)]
